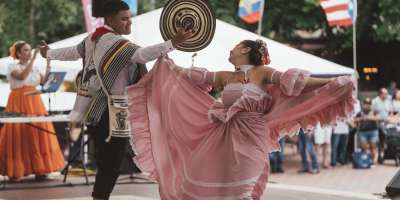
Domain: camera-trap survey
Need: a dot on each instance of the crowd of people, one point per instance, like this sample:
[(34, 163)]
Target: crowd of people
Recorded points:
[(327, 146)]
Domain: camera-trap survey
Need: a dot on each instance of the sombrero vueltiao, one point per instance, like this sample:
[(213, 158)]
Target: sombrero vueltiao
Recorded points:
[(195, 14)]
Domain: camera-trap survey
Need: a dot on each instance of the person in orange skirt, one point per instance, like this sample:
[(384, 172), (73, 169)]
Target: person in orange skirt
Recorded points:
[(26, 149)]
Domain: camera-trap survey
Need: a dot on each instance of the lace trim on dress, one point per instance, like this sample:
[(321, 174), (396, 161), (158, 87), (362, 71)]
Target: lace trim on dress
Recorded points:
[(245, 69)]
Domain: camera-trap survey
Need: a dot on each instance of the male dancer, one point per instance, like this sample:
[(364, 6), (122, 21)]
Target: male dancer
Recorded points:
[(110, 64)]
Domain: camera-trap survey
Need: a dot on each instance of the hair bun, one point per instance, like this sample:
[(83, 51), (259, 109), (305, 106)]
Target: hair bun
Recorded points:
[(264, 52)]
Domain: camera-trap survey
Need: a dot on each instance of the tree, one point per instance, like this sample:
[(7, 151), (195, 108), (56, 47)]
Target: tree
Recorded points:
[(34, 20)]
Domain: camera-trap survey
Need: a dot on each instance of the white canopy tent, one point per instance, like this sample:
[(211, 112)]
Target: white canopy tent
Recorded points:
[(145, 32)]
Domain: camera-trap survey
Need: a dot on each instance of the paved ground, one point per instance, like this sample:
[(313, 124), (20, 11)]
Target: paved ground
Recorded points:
[(340, 183)]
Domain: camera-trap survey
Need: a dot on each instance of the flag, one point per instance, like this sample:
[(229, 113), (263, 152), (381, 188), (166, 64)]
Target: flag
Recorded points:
[(133, 6), (91, 22), (250, 11), (340, 12), (353, 10)]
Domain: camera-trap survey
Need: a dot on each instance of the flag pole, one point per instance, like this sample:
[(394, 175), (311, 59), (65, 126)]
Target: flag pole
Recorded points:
[(259, 28), (354, 46), (354, 18)]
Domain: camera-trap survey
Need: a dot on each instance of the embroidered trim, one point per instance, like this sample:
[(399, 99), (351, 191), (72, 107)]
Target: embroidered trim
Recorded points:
[(105, 67), (245, 68)]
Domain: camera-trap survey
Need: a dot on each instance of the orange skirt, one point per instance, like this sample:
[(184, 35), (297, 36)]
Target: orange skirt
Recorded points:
[(24, 149)]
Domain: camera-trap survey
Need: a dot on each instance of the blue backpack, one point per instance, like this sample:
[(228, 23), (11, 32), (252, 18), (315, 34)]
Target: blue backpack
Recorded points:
[(361, 160)]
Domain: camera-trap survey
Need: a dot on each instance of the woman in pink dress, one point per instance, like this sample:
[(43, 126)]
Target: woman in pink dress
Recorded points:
[(199, 147)]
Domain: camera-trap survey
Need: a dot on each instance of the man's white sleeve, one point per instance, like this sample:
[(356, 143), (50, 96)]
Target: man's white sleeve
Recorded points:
[(146, 54), (64, 54)]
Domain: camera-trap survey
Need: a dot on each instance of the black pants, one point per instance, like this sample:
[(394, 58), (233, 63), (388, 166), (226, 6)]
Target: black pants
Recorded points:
[(108, 156)]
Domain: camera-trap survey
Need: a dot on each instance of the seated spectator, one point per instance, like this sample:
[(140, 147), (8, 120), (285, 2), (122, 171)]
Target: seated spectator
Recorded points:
[(367, 125)]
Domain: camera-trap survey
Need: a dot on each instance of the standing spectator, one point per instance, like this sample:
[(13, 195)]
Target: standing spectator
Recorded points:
[(382, 104), (276, 158), (339, 142), (322, 139), (393, 89), (353, 130), (306, 146), (396, 103), (367, 124)]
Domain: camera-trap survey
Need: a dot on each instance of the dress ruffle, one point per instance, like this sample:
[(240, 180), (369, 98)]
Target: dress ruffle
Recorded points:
[(139, 118), (326, 105)]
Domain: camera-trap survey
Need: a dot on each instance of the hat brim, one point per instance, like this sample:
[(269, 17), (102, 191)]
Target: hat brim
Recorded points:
[(194, 14)]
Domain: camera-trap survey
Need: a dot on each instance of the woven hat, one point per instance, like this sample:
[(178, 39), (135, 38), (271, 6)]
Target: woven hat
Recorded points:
[(189, 14)]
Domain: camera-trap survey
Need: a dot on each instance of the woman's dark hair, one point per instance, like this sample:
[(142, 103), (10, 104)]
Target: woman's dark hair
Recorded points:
[(112, 7), (258, 54), (367, 101)]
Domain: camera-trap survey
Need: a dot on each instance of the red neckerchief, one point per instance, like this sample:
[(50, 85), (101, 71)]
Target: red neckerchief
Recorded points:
[(100, 32)]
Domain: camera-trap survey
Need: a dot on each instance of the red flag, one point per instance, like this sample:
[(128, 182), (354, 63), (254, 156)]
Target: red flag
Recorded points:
[(337, 12)]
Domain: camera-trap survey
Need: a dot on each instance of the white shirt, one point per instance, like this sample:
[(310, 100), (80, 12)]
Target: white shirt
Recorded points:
[(33, 79), (357, 107), (382, 107), (396, 106), (141, 55), (341, 128)]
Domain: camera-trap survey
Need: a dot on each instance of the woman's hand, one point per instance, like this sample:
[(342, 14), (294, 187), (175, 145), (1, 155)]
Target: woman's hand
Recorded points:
[(35, 52), (43, 47)]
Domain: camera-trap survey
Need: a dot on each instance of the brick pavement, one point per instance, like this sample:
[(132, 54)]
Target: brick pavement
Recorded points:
[(344, 178), (340, 183)]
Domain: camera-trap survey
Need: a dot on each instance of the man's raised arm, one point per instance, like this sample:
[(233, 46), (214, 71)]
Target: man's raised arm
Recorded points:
[(64, 54), (149, 53)]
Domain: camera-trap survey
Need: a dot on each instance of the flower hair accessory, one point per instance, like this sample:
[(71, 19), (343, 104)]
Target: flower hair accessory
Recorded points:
[(13, 48), (264, 52), (13, 51)]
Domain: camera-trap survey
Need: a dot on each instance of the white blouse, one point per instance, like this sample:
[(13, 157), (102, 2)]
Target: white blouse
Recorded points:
[(33, 79), (396, 106)]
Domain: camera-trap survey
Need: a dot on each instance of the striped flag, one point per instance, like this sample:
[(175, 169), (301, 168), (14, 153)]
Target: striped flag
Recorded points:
[(250, 11), (340, 12)]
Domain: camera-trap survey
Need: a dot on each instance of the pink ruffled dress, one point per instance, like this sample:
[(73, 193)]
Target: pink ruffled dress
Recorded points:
[(197, 147)]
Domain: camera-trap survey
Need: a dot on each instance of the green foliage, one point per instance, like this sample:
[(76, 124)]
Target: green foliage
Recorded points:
[(378, 21), (33, 20), (388, 26)]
